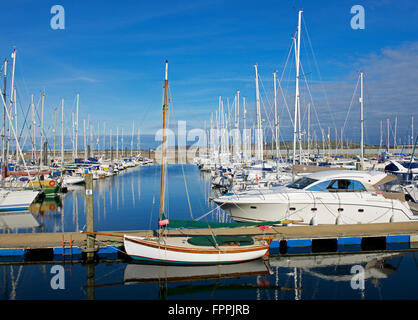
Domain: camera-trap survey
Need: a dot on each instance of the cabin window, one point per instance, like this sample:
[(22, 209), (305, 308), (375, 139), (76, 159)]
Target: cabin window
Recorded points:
[(321, 186), (391, 167), (345, 185), (301, 183), (410, 165)]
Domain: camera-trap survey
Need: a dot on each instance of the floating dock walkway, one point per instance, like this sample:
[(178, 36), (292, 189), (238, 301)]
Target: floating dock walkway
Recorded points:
[(286, 239)]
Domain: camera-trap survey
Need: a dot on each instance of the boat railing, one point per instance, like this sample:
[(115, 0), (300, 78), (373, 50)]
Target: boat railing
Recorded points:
[(261, 193)]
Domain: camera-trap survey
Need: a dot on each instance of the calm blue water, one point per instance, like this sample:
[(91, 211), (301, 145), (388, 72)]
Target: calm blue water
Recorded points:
[(130, 201)]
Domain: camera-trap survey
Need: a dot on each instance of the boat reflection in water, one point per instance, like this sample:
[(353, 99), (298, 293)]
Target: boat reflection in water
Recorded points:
[(198, 281), (153, 273), (53, 204), (13, 221), (297, 274), (340, 267)]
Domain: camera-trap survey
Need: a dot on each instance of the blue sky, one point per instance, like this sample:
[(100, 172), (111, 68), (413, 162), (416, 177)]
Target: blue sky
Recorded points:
[(113, 54)]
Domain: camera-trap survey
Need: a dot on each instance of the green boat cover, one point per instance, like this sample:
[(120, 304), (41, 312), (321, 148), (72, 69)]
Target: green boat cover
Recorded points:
[(213, 241)]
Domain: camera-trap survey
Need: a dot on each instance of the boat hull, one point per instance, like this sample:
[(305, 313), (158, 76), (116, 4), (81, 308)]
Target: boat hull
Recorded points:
[(350, 208), (16, 200), (176, 251)]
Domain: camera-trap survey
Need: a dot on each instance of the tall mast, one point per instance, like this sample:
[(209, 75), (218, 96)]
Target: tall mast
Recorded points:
[(276, 118), (55, 129), (309, 129), (72, 133), (259, 152), (3, 154), (412, 130), (297, 98), (33, 127), (42, 129), (381, 135), (244, 136), (12, 101), (388, 141), (85, 139), (236, 139), (15, 116), (361, 122), (62, 134), (165, 107), (76, 128)]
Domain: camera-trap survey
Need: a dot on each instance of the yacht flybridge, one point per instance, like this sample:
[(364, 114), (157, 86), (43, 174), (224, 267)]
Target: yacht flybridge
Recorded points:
[(325, 197)]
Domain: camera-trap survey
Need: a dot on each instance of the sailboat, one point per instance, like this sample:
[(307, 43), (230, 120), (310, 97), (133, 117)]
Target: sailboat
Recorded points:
[(196, 250)]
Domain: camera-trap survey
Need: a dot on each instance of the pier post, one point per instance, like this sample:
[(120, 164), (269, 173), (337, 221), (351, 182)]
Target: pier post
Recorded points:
[(90, 217)]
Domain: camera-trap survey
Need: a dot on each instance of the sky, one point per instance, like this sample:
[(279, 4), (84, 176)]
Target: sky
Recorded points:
[(113, 53)]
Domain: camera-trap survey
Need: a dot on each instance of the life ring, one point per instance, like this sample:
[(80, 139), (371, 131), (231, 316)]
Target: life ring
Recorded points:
[(52, 183)]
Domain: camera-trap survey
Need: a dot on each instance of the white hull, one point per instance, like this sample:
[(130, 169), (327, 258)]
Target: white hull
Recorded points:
[(176, 250), (73, 180), (316, 207), (16, 200)]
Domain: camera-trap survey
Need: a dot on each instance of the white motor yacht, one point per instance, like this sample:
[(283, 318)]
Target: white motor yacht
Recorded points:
[(325, 197)]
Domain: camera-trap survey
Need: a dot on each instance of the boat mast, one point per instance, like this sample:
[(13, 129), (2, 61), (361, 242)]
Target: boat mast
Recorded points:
[(259, 152), (276, 118), (85, 139), (3, 154), (15, 115), (55, 129), (42, 129), (237, 135), (381, 136), (309, 129), (62, 134), (33, 127), (361, 122), (245, 136), (394, 136), (72, 133), (12, 101), (297, 98), (76, 128), (412, 129), (165, 107), (388, 136)]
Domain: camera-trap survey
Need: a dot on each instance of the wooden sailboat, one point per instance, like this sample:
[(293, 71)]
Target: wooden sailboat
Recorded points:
[(197, 250)]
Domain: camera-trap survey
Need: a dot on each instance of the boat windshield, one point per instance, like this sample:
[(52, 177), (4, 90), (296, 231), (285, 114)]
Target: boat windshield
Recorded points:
[(301, 183)]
